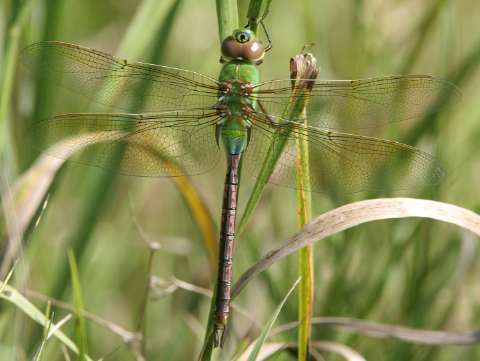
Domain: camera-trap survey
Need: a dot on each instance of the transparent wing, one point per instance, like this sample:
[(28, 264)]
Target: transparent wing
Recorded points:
[(349, 163), (118, 83), (357, 104), (132, 144)]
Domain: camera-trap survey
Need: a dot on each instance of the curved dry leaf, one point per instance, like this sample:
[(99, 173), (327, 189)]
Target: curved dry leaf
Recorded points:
[(348, 353), (379, 330), (272, 348), (11, 295), (22, 202), (268, 350), (357, 213), (25, 198)]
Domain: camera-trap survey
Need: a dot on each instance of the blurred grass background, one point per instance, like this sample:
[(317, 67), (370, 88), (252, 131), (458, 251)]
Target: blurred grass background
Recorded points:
[(410, 272)]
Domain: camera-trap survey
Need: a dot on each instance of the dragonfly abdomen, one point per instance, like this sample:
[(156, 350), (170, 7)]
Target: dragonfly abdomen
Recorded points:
[(227, 237)]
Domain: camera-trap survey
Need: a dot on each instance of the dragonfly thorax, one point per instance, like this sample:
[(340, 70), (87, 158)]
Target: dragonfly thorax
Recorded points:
[(235, 108), (235, 99)]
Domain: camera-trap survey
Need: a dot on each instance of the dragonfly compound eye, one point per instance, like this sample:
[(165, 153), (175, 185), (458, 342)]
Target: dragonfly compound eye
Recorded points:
[(231, 48), (243, 45), (253, 51)]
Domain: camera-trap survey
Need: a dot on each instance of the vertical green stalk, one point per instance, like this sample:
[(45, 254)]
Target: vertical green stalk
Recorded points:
[(44, 91), (227, 15), (305, 255), (99, 185), (8, 71), (304, 66), (421, 32), (257, 10), (80, 326)]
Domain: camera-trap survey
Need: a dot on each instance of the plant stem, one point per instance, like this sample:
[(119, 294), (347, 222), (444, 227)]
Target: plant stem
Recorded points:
[(227, 15), (10, 63), (257, 10), (304, 66)]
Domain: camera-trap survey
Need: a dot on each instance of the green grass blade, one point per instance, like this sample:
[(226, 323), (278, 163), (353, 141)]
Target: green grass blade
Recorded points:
[(467, 67), (46, 331), (146, 24), (11, 295), (207, 348), (421, 32), (80, 326), (266, 330), (257, 10), (227, 15), (304, 66), (44, 91), (9, 66), (98, 186), (293, 110)]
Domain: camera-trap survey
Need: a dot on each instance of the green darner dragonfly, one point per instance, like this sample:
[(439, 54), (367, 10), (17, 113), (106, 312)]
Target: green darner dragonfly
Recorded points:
[(191, 120)]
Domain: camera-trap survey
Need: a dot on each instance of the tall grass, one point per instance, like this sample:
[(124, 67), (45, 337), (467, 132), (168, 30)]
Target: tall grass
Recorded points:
[(410, 272)]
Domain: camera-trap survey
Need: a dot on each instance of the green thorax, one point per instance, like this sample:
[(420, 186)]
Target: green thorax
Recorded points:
[(233, 128)]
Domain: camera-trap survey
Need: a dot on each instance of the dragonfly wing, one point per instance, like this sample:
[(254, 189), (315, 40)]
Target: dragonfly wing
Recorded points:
[(118, 83), (165, 144), (349, 163), (358, 104)]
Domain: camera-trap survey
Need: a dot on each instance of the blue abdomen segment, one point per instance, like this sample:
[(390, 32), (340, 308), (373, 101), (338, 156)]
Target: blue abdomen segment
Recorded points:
[(234, 135)]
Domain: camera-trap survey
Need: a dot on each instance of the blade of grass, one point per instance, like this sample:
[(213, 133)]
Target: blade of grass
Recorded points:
[(11, 295), (227, 16), (356, 213), (468, 65), (293, 110), (268, 326), (44, 91), (9, 66), (304, 66), (80, 327), (348, 353), (420, 33), (257, 10), (46, 330), (381, 330), (99, 186), (24, 201), (268, 350), (146, 24), (202, 216)]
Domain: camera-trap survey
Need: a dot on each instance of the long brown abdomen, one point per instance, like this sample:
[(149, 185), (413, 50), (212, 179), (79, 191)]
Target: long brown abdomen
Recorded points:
[(227, 236)]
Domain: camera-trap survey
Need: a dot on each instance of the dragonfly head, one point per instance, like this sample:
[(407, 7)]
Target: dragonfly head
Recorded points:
[(243, 45)]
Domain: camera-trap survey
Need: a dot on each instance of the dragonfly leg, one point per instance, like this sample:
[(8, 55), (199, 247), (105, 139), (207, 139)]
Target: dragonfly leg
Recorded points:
[(269, 41)]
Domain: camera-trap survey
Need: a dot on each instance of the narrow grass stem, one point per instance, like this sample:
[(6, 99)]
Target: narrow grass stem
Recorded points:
[(303, 66), (257, 11), (8, 71), (227, 15)]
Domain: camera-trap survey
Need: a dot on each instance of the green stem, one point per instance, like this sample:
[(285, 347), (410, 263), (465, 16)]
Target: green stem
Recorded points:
[(304, 66), (257, 10), (227, 14), (100, 185), (305, 255), (10, 63), (422, 30)]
